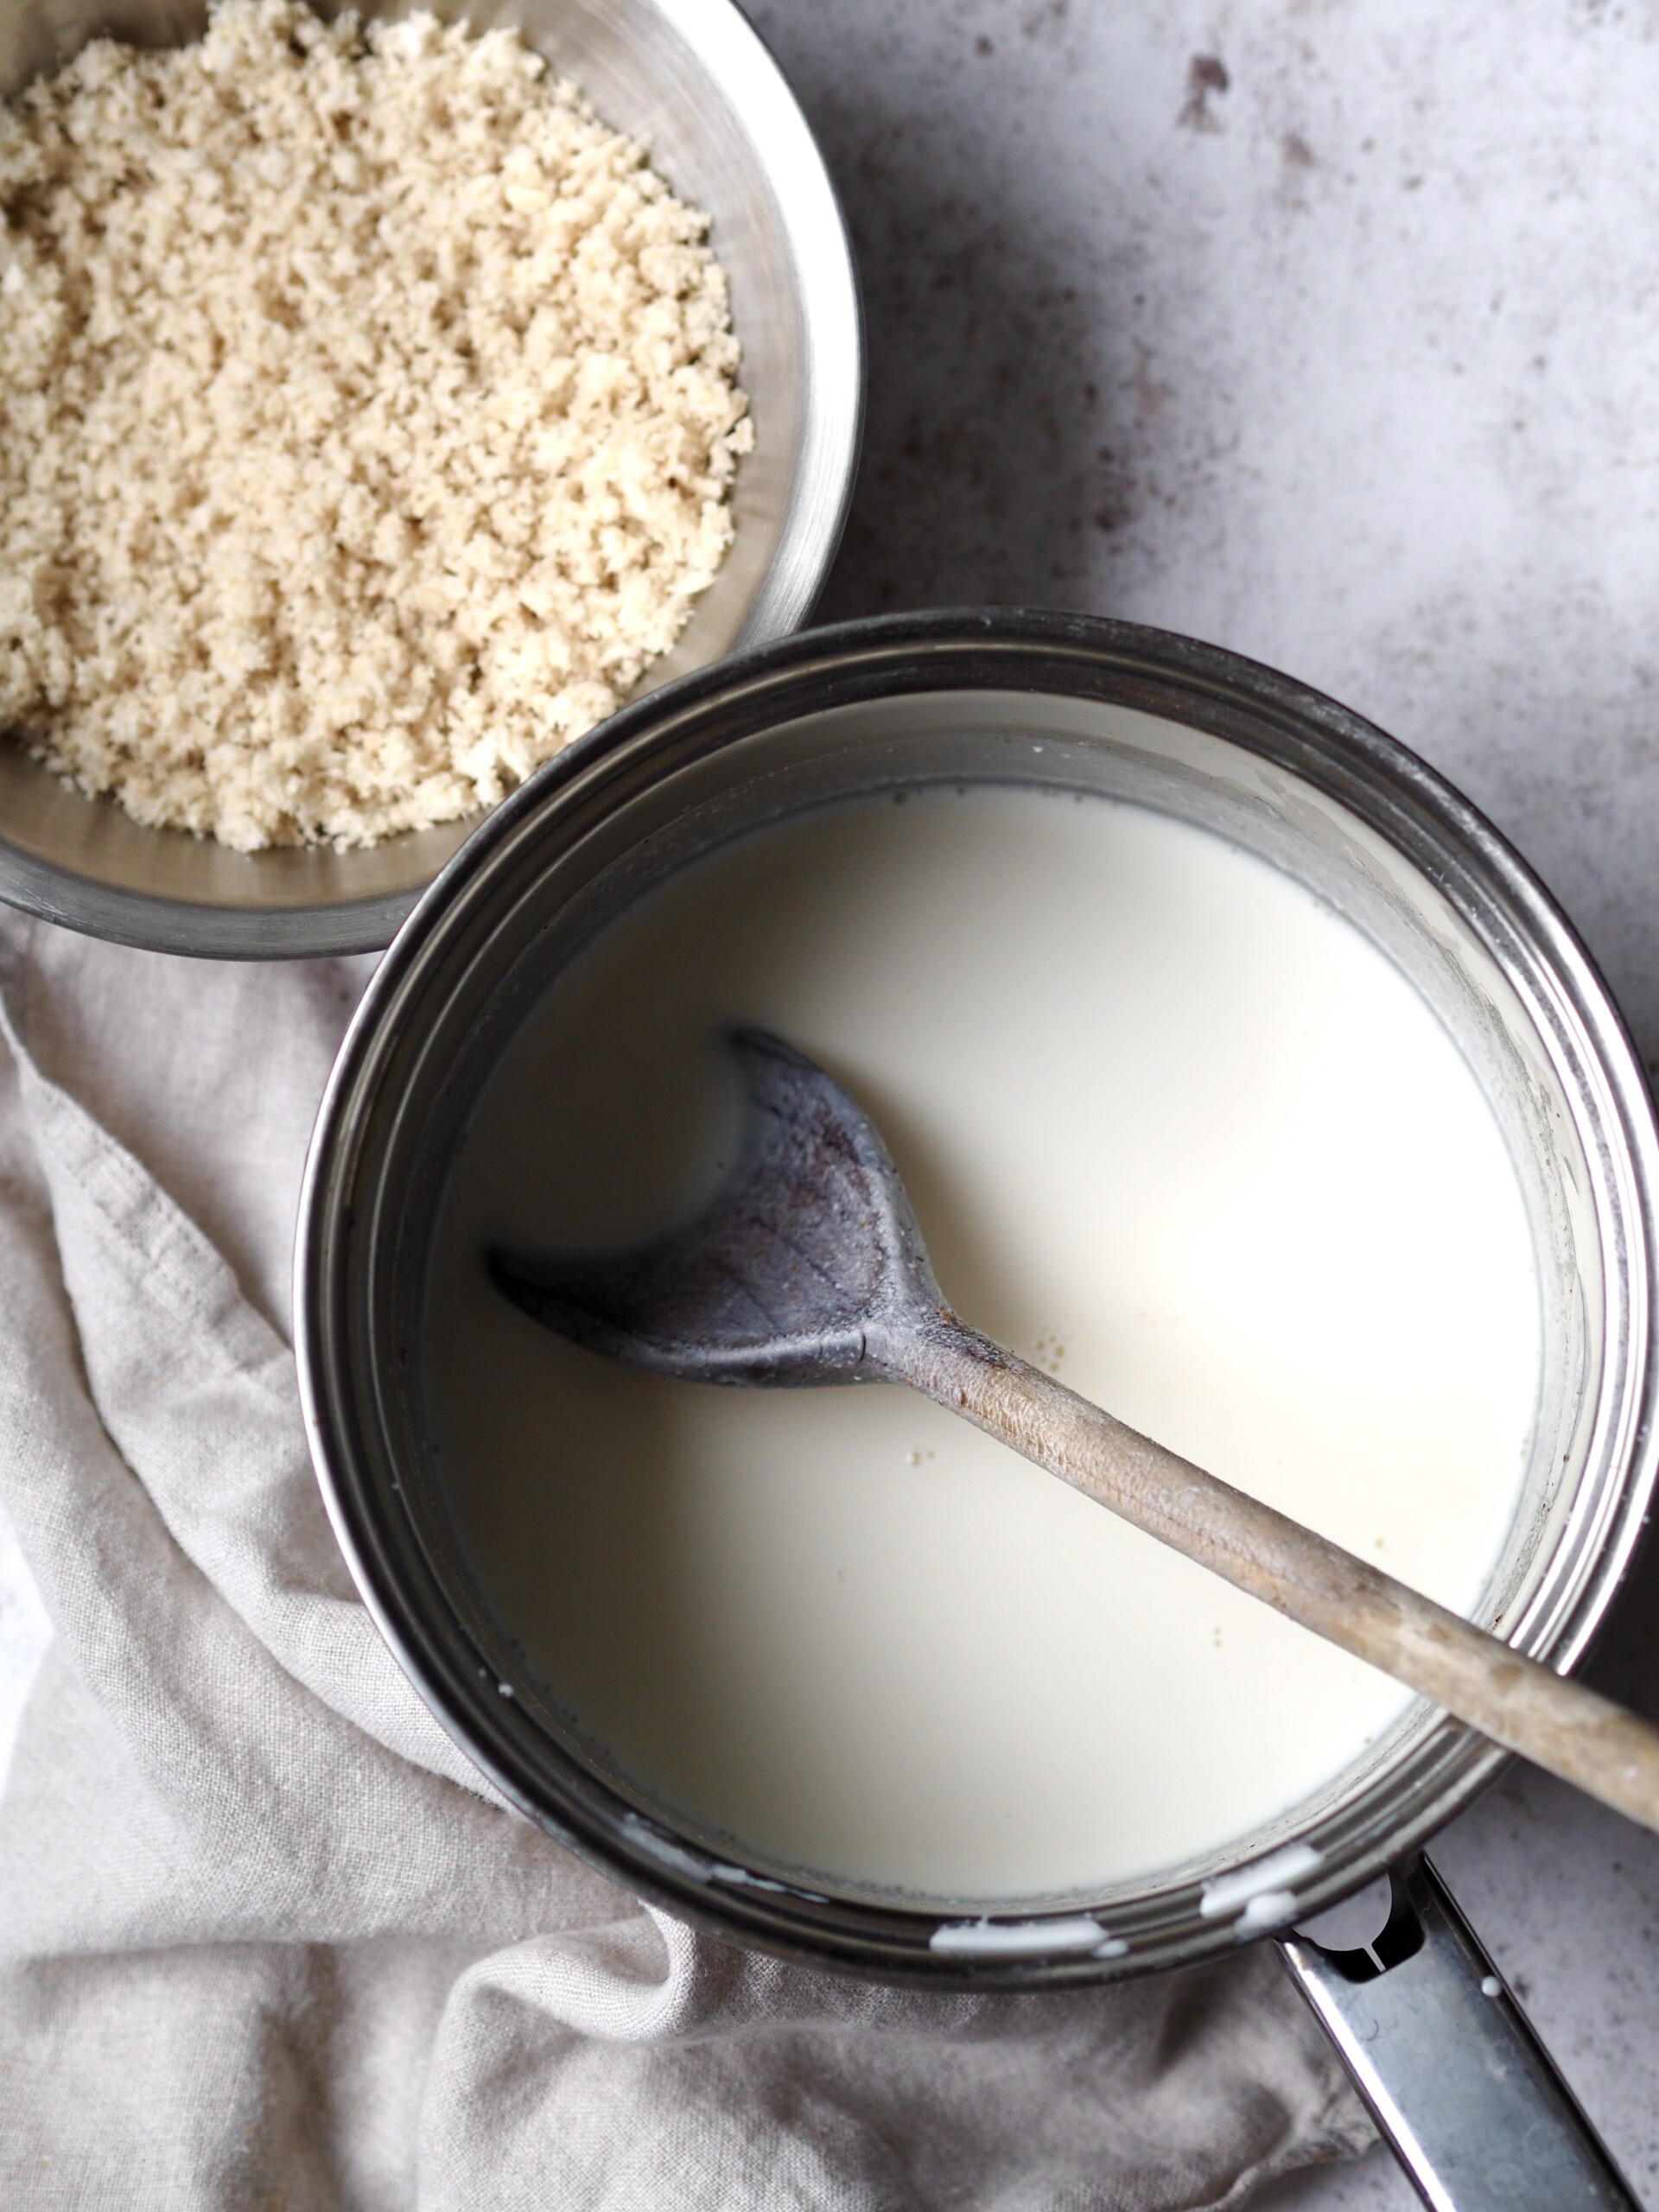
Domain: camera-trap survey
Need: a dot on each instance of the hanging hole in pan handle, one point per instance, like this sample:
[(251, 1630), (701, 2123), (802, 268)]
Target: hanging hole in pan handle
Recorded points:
[(1461, 2087)]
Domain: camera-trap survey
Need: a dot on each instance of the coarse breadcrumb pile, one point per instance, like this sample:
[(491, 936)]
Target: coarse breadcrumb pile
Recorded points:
[(368, 418)]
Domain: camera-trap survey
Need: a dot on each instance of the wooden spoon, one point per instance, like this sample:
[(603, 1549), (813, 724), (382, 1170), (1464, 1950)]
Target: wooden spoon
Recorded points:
[(808, 1267)]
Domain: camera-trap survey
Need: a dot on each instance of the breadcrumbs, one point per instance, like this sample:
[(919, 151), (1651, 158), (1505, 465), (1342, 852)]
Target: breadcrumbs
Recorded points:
[(368, 419)]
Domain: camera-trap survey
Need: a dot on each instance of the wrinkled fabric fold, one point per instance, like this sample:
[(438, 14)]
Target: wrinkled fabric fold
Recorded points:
[(266, 1937)]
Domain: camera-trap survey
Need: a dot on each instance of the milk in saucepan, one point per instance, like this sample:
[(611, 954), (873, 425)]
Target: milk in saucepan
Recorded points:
[(1174, 1130)]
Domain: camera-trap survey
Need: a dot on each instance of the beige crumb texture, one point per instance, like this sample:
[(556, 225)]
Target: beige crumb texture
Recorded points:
[(368, 420)]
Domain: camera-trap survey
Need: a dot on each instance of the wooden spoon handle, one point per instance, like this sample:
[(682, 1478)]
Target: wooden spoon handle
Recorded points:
[(1572, 1731)]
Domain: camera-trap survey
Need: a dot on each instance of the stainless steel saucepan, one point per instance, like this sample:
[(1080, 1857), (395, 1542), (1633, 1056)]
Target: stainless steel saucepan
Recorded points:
[(1437, 2045)]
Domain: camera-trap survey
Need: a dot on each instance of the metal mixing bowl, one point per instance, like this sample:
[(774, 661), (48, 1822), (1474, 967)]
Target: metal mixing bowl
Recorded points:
[(691, 78)]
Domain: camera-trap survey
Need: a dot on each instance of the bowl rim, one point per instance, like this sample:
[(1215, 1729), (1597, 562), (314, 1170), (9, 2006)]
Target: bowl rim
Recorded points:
[(820, 494), (967, 647)]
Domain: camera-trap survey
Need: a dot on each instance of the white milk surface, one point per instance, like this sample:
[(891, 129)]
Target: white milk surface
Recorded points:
[(1172, 1130)]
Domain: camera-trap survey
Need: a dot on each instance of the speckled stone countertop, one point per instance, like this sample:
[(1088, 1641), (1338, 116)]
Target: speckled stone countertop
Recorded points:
[(1329, 333)]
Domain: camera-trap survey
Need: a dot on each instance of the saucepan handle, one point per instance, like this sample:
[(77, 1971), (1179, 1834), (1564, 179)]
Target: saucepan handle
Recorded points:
[(1462, 2090)]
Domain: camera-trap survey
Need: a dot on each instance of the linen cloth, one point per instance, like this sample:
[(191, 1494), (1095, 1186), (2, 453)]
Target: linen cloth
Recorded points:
[(266, 1939)]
